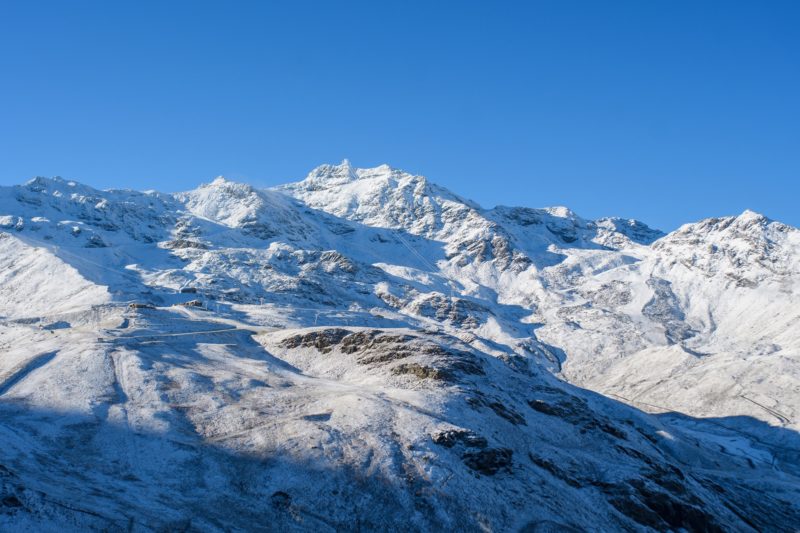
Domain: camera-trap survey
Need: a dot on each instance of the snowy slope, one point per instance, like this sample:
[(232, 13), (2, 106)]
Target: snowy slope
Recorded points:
[(26, 282), (719, 296), (365, 350)]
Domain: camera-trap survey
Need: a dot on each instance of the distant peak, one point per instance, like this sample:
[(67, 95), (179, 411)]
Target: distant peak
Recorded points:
[(748, 222), (57, 184), (225, 183), (342, 172), (328, 175), (223, 187), (561, 212), (41, 180), (635, 230)]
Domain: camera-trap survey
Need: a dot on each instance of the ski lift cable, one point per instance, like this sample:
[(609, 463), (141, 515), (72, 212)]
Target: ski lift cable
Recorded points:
[(123, 272)]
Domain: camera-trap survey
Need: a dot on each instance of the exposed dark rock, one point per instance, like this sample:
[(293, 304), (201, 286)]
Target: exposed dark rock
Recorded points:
[(760, 511), (613, 294), (191, 303), (575, 411), (466, 366), (332, 260), (338, 228), (555, 470), (507, 413), (742, 281), (660, 510), (647, 435), (358, 341), (669, 478), (422, 372), (259, 230), (10, 501), (516, 362), (374, 347), (179, 244), (524, 216), (571, 409), (323, 340), (281, 500), (548, 526), (489, 461), (385, 354), (137, 305), (94, 241), (319, 417), (461, 312), (547, 408), (566, 233), (495, 247), (519, 262), (368, 340), (630, 452), (665, 309), (450, 437), (606, 427)]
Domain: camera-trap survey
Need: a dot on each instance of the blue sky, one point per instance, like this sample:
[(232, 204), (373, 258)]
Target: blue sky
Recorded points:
[(666, 111)]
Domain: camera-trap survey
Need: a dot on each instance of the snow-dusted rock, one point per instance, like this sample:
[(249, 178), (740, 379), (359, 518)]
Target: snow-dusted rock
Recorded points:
[(366, 350)]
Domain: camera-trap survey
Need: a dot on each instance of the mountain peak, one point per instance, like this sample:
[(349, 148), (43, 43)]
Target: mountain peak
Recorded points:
[(220, 180), (331, 175), (561, 211), (226, 187), (58, 186), (635, 230), (749, 216), (41, 182)]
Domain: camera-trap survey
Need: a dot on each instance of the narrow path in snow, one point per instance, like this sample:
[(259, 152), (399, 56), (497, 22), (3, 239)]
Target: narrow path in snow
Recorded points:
[(783, 418), (310, 385)]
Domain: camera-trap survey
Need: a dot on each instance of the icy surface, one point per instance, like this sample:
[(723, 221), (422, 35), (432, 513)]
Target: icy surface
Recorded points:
[(365, 350)]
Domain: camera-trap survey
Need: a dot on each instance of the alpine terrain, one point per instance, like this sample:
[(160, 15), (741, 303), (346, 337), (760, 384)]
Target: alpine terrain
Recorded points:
[(364, 350)]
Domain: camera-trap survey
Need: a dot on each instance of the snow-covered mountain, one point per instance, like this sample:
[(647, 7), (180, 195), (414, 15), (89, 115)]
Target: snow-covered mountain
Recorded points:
[(365, 350)]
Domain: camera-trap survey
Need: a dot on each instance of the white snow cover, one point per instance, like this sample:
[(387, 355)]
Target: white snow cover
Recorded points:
[(365, 350)]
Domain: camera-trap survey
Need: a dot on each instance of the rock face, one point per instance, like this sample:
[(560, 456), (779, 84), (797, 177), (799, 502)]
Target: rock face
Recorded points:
[(365, 350)]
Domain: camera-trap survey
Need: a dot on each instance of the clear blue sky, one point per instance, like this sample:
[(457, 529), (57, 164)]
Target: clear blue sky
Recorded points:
[(666, 111)]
